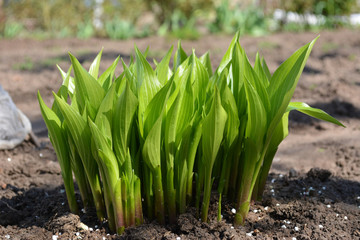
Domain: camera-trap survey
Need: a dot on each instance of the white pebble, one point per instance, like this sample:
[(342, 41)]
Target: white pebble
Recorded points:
[(346, 218), (337, 214), (328, 206), (62, 204), (54, 237), (358, 198), (358, 206), (283, 226), (7, 236), (104, 238), (266, 208), (294, 238), (178, 238), (288, 222), (296, 229), (77, 234), (278, 204), (9, 160), (61, 191), (233, 210), (96, 226), (232, 227), (321, 226), (319, 192), (273, 180), (91, 229), (311, 188), (255, 210), (272, 190), (249, 234), (323, 188), (83, 210), (280, 176), (41, 155)]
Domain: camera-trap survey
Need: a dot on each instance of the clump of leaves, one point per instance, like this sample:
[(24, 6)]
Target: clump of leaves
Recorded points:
[(154, 141)]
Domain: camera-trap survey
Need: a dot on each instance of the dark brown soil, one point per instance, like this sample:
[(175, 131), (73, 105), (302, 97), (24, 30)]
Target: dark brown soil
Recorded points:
[(313, 191)]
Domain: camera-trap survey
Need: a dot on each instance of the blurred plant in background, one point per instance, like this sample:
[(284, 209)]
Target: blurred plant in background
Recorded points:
[(247, 20), (318, 14), (184, 19)]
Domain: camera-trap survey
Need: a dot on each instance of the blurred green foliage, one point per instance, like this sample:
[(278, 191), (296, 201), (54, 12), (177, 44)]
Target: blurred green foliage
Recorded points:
[(323, 7), (250, 20), (185, 19), (49, 15)]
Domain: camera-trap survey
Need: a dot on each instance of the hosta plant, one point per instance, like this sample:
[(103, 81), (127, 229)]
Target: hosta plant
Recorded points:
[(153, 141)]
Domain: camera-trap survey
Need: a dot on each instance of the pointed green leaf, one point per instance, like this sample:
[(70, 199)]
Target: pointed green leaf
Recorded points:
[(284, 81), (95, 65), (312, 112), (88, 90), (124, 112), (151, 150), (147, 84), (229, 54), (205, 60), (162, 69), (179, 57), (107, 77), (213, 130)]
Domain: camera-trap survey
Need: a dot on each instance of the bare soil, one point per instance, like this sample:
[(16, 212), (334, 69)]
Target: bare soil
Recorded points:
[(313, 191)]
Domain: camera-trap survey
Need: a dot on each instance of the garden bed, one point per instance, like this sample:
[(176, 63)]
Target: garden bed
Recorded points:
[(313, 191)]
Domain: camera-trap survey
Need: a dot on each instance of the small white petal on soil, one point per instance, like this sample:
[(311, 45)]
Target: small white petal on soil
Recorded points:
[(233, 210)]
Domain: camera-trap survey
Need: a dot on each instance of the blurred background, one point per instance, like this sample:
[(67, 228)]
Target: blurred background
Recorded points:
[(185, 19)]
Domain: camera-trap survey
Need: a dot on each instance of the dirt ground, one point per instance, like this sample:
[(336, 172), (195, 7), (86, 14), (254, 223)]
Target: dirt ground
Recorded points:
[(313, 191)]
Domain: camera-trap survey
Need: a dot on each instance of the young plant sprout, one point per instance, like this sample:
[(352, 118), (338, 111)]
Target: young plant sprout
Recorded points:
[(154, 141)]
